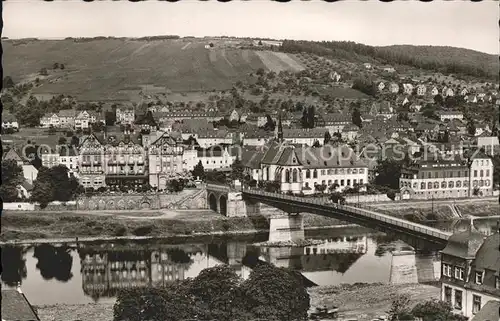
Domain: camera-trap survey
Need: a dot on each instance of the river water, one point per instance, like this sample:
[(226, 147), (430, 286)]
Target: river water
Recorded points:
[(91, 272)]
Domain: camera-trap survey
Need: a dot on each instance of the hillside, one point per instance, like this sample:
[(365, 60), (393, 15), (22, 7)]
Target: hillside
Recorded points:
[(433, 58), (114, 69), (462, 56)]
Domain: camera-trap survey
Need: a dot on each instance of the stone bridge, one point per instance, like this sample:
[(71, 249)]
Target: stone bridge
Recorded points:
[(228, 201)]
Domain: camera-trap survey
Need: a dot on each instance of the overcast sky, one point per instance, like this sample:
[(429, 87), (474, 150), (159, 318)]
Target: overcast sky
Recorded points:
[(455, 23)]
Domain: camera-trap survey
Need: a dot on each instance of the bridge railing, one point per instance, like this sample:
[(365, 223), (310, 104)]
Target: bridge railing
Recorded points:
[(360, 211)]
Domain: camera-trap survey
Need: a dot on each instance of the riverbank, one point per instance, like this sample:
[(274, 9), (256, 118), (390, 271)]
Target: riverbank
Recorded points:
[(60, 227), (363, 301)]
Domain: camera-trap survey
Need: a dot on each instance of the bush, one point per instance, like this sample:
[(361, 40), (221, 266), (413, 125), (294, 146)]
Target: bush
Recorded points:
[(391, 195), (143, 230), (120, 231)]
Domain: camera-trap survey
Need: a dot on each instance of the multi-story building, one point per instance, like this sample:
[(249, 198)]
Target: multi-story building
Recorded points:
[(125, 162), (470, 266), (69, 157), (256, 138), (447, 115), (307, 136), (334, 122), (86, 118), (125, 115), (447, 177), (63, 119), (208, 138), (217, 158), (421, 89), (91, 166), (301, 169), (49, 156), (165, 159), (408, 89)]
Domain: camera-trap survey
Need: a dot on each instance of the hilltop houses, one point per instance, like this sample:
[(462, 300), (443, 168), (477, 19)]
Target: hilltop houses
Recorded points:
[(421, 90), (393, 88), (63, 119), (125, 115), (9, 121)]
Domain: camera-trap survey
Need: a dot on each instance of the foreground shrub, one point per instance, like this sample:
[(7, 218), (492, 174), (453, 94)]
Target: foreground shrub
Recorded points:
[(143, 230)]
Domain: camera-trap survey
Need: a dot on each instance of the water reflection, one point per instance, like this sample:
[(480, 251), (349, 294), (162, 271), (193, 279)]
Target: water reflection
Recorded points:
[(15, 271), (54, 262), (96, 271)]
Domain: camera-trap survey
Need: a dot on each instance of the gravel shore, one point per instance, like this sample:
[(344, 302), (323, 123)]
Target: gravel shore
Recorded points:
[(362, 301)]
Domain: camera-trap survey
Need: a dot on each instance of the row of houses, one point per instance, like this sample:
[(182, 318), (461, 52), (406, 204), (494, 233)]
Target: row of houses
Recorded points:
[(432, 90)]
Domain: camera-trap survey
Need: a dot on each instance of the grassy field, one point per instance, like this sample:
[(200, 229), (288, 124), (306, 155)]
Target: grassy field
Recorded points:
[(37, 135), (114, 68)]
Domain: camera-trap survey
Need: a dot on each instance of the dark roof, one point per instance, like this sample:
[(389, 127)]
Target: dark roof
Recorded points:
[(464, 244), (318, 132), (489, 312), (12, 155), (251, 158), (488, 255), (16, 307)]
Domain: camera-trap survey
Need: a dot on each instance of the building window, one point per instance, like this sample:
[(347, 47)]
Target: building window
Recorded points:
[(315, 174), (459, 183), (474, 183), (443, 185), (323, 182), (487, 172), (481, 173), (436, 174), (475, 173), (446, 270), (348, 182), (422, 185), (429, 175), (481, 183), (476, 303), (341, 182), (429, 185), (451, 184), (322, 172), (308, 174), (329, 182), (466, 183), (436, 184), (361, 171), (458, 299), (447, 294), (479, 277), (361, 182), (459, 273), (497, 282)]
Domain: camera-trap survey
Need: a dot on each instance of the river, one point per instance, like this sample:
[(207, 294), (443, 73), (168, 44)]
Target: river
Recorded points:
[(91, 272)]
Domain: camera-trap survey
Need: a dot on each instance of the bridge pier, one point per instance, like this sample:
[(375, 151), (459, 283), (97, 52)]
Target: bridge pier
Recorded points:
[(286, 228)]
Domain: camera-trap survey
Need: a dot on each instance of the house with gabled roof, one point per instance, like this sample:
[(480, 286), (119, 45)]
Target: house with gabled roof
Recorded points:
[(421, 90), (434, 91), (9, 121), (408, 88), (393, 88), (63, 119), (381, 86), (304, 136), (164, 158)]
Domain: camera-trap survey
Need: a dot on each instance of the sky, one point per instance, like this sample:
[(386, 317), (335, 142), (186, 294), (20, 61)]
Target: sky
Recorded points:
[(458, 23)]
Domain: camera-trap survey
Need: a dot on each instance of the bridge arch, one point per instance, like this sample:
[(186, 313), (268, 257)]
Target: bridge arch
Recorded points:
[(223, 204), (212, 202)]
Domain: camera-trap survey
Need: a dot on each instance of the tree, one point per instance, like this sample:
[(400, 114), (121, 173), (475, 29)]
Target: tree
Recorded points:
[(400, 308), (75, 141), (272, 293), (471, 127), (327, 138), (316, 144), (438, 99), (237, 170), (8, 82), (55, 66), (434, 310), (199, 171), (62, 141), (110, 118), (44, 72), (260, 72), (215, 290), (388, 172), (356, 118), (12, 176), (270, 124)]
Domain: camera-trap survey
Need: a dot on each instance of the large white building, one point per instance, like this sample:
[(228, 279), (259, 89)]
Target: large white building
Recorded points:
[(218, 158), (447, 177), (307, 136), (301, 169)]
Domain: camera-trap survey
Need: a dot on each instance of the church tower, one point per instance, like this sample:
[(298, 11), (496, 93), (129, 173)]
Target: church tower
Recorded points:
[(280, 129)]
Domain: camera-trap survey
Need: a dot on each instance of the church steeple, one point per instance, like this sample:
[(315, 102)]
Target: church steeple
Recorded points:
[(280, 128)]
